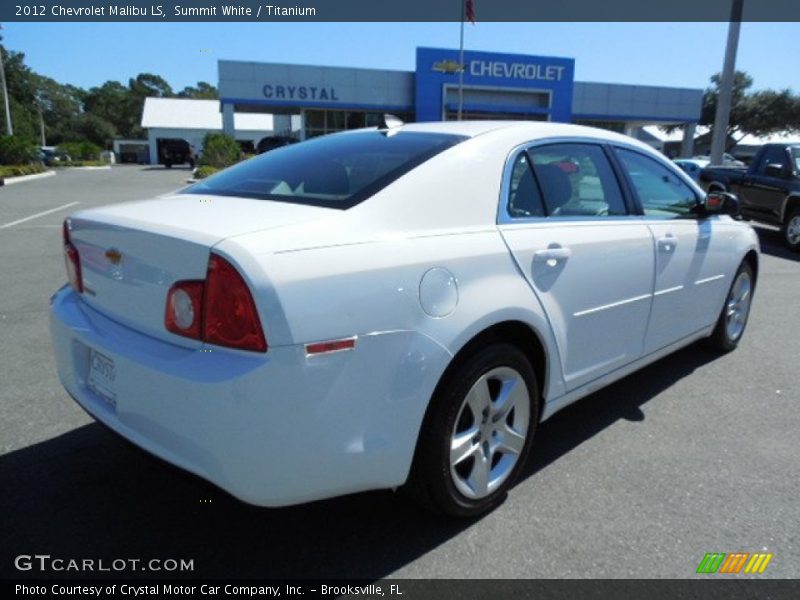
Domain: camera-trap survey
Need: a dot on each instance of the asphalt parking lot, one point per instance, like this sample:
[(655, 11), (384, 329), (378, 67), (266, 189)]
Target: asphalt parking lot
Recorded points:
[(697, 453)]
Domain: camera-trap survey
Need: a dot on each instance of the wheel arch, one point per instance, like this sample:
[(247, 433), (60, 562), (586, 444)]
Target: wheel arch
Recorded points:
[(751, 257), (791, 202), (517, 332), (717, 186), (513, 331)]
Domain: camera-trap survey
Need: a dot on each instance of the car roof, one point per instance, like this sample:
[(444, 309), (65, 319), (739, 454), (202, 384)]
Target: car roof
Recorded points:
[(524, 130)]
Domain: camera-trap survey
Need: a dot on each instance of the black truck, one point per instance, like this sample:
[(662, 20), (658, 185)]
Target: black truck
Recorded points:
[(768, 190)]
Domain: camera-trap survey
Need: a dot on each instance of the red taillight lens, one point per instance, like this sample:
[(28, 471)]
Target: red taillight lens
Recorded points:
[(230, 317), (184, 313), (72, 261)]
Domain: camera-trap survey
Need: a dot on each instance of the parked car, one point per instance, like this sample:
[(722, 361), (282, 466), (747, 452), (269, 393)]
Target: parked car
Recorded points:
[(364, 311), (51, 157), (728, 160), (769, 190), (274, 141), (691, 166), (175, 151)]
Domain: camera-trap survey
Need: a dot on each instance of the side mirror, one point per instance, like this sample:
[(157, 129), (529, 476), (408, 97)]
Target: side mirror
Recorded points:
[(721, 203), (776, 170)]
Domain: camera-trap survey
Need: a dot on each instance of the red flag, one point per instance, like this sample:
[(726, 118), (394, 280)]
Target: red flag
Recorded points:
[(470, 11)]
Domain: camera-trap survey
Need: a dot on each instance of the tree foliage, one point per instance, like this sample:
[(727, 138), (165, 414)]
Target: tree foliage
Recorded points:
[(752, 113), (71, 114), (80, 150), (202, 91), (220, 151), (16, 150)]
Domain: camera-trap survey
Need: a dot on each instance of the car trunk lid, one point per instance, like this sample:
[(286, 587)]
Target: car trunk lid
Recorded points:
[(132, 253)]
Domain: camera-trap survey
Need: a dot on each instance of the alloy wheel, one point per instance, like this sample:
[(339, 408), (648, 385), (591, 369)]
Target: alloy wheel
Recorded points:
[(793, 231), (738, 305), (490, 432)]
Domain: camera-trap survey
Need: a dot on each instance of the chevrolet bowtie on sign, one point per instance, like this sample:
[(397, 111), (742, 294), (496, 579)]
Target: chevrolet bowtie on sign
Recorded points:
[(448, 66)]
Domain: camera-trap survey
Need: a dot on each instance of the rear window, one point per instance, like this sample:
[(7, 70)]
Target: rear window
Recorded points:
[(336, 171)]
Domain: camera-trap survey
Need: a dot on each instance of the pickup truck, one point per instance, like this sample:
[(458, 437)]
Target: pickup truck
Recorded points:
[(768, 190)]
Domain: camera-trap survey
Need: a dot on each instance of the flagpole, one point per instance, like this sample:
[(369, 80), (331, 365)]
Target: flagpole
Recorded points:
[(461, 64)]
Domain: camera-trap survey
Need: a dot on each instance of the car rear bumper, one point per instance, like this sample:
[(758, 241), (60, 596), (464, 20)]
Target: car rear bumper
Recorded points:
[(272, 429)]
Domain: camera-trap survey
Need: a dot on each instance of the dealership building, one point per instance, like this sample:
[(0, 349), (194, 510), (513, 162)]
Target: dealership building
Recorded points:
[(307, 101)]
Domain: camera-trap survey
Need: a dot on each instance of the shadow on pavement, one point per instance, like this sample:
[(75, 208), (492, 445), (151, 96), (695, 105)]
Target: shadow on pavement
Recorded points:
[(87, 493)]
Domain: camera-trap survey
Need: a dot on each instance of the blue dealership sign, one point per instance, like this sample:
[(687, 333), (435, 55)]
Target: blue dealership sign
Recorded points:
[(493, 83)]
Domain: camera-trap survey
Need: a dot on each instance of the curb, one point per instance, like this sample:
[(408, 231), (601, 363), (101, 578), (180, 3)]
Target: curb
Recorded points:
[(24, 178), (103, 168)]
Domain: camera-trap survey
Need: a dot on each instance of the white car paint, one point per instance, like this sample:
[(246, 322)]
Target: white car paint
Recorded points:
[(413, 274)]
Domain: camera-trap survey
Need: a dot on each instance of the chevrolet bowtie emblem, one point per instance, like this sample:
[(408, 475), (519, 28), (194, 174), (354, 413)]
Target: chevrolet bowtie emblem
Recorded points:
[(114, 256), (448, 66)]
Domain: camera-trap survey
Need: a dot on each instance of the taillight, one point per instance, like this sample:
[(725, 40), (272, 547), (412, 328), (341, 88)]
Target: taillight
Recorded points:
[(185, 309), (230, 317), (219, 310), (72, 261)]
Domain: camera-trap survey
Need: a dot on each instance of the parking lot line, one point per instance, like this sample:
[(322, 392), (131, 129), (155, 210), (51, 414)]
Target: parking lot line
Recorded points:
[(37, 215)]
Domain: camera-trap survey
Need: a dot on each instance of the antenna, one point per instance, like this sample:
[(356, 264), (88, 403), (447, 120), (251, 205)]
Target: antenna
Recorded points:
[(390, 121)]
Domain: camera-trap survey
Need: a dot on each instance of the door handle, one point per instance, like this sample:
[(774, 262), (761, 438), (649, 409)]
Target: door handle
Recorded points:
[(552, 254), (668, 243)]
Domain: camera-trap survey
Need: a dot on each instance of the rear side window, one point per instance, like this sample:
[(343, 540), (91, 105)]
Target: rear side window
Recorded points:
[(577, 180), (524, 199), (337, 171)]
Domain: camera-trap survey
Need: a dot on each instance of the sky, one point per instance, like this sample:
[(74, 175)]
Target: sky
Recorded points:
[(666, 54)]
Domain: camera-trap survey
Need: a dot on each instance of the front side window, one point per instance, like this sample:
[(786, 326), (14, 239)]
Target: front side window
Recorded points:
[(775, 156), (337, 171), (796, 158), (661, 191), (577, 180)]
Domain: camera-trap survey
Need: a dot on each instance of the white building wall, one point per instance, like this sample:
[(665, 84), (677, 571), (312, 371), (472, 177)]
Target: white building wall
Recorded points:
[(195, 137)]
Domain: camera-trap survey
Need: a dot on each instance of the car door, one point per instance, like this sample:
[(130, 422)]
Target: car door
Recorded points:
[(764, 191), (589, 263), (692, 253)]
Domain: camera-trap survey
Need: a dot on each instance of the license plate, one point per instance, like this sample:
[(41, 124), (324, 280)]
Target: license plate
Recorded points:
[(102, 375)]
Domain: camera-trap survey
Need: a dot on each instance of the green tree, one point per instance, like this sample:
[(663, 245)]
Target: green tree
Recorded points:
[(82, 150), (203, 91), (21, 84), (71, 114), (16, 150), (94, 129), (220, 151), (147, 84), (59, 106), (752, 113), (770, 111), (111, 102)]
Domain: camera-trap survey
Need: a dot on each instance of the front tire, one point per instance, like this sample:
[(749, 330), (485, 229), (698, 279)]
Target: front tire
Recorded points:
[(791, 230), (735, 312), (477, 434)]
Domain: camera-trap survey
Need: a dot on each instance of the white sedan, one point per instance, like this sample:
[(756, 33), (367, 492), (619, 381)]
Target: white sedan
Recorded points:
[(398, 307)]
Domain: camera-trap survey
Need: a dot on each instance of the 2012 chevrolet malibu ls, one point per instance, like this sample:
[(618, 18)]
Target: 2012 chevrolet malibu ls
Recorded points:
[(392, 307)]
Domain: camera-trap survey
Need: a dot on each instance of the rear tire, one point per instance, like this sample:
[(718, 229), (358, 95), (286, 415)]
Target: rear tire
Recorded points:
[(791, 230), (477, 433), (735, 312)]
